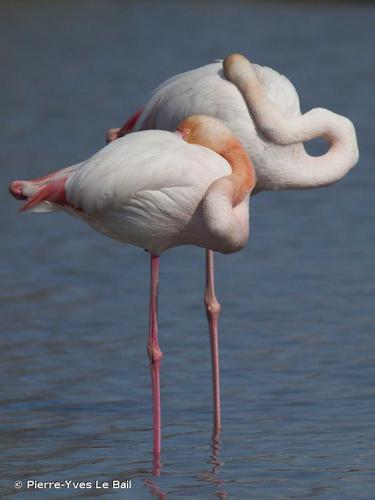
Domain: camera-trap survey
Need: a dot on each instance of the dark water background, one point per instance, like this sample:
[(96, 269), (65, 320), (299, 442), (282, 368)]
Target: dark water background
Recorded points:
[(297, 327)]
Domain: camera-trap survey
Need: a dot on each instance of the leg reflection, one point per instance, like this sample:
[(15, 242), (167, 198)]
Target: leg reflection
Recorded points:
[(155, 490), (212, 476)]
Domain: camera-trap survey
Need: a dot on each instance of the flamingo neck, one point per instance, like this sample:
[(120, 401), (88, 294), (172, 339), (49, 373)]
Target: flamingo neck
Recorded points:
[(243, 173), (213, 134), (306, 171), (341, 156)]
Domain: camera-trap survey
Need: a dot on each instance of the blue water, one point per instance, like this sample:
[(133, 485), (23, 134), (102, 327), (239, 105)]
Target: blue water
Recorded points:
[(297, 325)]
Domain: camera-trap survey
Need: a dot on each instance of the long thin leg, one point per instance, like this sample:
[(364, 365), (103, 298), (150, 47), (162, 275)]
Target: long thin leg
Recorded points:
[(155, 355), (213, 311)]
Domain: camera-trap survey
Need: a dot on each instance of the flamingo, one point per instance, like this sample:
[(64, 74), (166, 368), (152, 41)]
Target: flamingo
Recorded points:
[(261, 107), (156, 190)]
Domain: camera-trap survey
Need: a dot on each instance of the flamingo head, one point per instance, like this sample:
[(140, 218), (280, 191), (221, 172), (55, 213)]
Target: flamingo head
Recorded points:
[(206, 131)]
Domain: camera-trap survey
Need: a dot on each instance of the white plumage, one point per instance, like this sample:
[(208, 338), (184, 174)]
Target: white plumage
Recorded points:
[(152, 189), (262, 109), (146, 189)]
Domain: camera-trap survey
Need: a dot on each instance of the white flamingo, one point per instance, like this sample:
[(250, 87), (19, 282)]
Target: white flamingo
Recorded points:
[(262, 109), (156, 190)]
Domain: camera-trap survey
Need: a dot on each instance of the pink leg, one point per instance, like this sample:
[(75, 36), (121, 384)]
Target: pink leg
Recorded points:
[(213, 311), (155, 355)]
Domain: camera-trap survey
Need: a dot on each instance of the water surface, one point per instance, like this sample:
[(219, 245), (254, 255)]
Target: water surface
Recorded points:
[(297, 325)]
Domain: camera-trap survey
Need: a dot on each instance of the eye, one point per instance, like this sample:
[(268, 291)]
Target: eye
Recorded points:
[(184, 131)]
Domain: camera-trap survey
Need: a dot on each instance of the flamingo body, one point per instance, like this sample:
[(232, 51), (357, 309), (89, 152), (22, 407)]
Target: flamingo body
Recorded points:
[(148, 189), (261, 107), (206, 90)]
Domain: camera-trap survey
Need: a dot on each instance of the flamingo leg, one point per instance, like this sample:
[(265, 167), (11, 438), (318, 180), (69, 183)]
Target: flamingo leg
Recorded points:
[(155, 355), (213, 311)]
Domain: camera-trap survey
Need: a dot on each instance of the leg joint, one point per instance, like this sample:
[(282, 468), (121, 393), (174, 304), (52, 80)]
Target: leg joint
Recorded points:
[(213, 306), (154, 353)]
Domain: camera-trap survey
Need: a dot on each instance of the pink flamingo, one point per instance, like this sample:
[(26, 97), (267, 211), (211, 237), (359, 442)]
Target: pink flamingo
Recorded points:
[(262, 109), (156, 190)]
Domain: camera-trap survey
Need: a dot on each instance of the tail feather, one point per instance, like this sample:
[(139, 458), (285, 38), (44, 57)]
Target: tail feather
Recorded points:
[(44, 194), (47, 197), (130, 123)]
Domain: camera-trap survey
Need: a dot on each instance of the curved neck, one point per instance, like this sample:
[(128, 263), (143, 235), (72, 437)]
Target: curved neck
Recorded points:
[(337, 130), (213, 134), (342, 154), (225, 203), (243, 177)]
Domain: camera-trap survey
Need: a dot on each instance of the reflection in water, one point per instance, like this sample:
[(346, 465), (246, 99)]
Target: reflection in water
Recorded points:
[(154, 489), (212, 476)]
